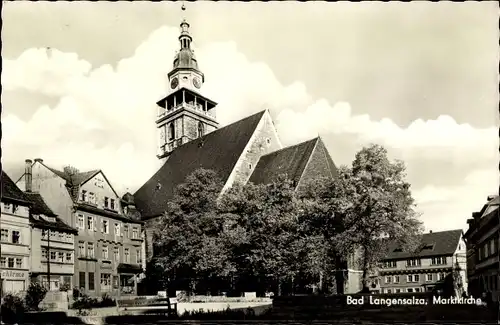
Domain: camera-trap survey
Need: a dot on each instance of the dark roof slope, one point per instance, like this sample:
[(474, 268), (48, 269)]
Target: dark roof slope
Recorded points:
[(10, 190), (218, 151), (290, 161), (39, 207), (438, 243)]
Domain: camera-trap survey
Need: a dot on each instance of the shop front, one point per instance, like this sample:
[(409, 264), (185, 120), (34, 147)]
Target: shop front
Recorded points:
[(128, 274), (14, 281)]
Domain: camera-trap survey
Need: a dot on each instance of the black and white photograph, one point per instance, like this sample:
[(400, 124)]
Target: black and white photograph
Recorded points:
[(250, 161)]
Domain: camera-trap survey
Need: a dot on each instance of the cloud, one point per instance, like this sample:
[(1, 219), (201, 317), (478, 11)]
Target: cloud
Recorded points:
[(105, 116)]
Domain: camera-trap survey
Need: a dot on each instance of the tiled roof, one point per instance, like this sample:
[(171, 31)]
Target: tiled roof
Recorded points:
[(442, 243), (39, 207), (10, 189), (218, 151), (290, 161), (73, 181)]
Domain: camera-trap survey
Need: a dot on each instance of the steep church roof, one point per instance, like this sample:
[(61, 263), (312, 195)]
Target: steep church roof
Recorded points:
[(293, 162), (290, 161), (218, 151)]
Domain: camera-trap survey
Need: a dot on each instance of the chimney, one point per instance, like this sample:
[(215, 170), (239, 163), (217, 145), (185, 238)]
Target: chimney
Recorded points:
[(40, 160), (490, 197), (28, 178), (430, 231)]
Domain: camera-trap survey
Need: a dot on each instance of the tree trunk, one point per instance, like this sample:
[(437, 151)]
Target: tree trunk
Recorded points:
[(279, 287), (364, 280), (321, 281)]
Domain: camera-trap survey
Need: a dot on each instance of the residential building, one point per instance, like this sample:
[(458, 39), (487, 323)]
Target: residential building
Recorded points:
[(248, 150), (482, 240), (440, 255), (15, 238), (52, 257), (109, 246)]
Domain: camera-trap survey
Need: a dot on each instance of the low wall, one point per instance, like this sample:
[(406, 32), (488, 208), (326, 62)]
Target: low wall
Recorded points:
[(200, 298)]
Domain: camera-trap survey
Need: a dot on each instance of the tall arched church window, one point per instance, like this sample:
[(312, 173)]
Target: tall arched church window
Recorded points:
[(201, 129), (171, 131)]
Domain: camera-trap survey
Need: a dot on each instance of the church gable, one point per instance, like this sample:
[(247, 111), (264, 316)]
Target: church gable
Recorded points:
[(320, 165), (219, 151), (290, 161), (264, 141)]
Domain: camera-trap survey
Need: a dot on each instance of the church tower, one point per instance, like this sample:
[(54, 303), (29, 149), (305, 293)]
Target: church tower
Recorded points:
[(184, 114)]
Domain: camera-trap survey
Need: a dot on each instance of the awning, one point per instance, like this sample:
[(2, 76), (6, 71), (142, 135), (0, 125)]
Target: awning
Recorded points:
[(129, 268)]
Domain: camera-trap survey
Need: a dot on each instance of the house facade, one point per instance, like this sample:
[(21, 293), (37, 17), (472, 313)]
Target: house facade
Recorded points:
[(441, 255), (52, 258), (482, 240), (109, 246), (15, 238)]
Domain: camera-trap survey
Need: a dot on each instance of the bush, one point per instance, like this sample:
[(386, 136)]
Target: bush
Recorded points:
[(64, 287), (34, 295), (107, 301), (84, 304), (12, 309)]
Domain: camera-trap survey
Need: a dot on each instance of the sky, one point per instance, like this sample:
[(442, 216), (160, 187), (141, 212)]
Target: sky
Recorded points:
[(419, 78)]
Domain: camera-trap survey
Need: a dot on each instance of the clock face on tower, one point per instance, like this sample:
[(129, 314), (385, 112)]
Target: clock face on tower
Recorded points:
[(197, 83), (174, 83)]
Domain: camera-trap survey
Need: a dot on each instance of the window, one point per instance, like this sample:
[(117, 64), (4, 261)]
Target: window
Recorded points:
[(397, 290), (60, 257), (388, 279), (115, 282), (249, 166), (84, 195), (106, 202), (417, 289), (409, 290), (388, 291), (3, 262), (112, 204), (413, 278), (105, 281), (138, 256), (127, 255), (105, 252), (105, 226), (68, 237), (81, 222), (90, 250), (19, 263), (116, 254), (441, 276), (81, 249), (171, 131), (16, 237), (44, 234), (429, 277), (201, 129), (413, 262), (68, 257), (396, 279), (91, 281), (6, 207), (438, 260), (5, 235), (92, 198), (10, 261), (389, 264), (15, 207), (135, 233), (90, 223), (81, 282), (117, 229), (44, 254), (268, 140), (53, 256), (125, 230)]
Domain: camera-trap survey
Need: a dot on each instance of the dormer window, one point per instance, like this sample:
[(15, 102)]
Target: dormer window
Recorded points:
[(112, 204), (398, 250), (84, 195), (428, 247)]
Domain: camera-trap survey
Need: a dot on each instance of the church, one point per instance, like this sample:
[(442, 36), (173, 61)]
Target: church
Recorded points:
[(248, 150), (189, 138)]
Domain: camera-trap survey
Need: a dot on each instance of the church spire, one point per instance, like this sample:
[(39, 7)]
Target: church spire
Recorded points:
[(185, 38)]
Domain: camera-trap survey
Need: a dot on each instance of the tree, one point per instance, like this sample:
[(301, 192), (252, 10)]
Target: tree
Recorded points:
[(187, 239), (382, 208)]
